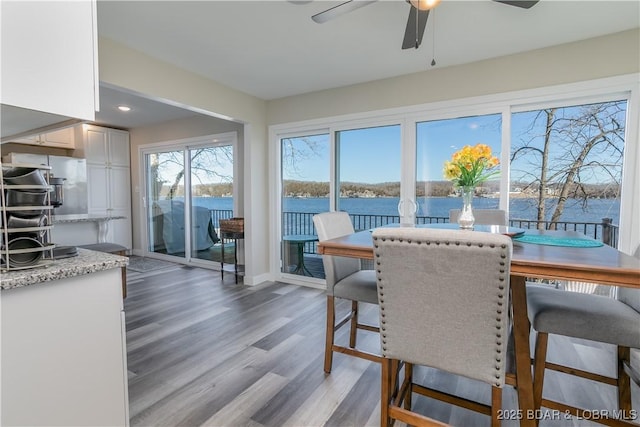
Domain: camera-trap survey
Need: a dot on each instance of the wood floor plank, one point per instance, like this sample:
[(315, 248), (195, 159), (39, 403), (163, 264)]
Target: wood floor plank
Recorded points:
[(235, 412), (206, 352)]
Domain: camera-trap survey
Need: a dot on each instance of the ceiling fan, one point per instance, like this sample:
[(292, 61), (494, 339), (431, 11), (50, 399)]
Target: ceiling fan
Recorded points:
[(418, 15)]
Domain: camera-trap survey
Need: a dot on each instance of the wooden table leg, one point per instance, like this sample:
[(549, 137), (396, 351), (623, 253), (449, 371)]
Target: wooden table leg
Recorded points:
[(521, 331)]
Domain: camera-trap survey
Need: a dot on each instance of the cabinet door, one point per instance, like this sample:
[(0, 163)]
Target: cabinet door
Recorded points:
[(120, 205), (118, 143), (63, 138), (64, 353), (30, 140), (50, 64), (97, 188), (95, 145), (119, 188)]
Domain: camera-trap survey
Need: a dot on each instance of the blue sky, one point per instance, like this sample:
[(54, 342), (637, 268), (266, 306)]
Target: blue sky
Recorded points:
[(372, 155)]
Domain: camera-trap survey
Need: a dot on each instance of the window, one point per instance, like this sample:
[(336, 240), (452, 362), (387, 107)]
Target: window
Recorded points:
[(566, 165), (436, 141), (305, 172), (567, 175)]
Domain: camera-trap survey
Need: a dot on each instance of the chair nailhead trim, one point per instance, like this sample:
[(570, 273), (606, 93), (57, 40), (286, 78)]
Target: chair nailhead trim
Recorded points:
[(500, 312)]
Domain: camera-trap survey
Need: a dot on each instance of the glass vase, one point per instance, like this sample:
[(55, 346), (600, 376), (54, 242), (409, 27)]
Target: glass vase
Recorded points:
[(466, 219)]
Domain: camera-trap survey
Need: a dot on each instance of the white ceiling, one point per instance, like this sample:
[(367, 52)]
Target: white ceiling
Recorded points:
[(272, 49)]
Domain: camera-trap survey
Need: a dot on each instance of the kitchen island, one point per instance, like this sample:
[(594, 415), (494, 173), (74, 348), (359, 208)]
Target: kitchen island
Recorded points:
[(63, 343), (81, 229)]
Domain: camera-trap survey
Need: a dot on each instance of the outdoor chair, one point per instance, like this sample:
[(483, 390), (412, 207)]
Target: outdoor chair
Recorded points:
[(483, 216), (345, 279), (590, 317), (444, 304)]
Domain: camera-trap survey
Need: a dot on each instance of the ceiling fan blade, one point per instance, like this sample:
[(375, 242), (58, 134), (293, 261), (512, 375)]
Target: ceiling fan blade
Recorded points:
[(525, 4), (415, 30), (340, 9)]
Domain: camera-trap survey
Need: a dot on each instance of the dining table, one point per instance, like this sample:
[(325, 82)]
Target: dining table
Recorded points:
[(544, 254)]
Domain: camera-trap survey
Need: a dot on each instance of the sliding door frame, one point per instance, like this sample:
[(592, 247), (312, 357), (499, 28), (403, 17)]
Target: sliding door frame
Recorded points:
[(184, 145)]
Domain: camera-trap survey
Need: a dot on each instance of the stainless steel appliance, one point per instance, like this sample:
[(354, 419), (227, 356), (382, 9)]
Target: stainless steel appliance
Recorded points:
[(57, 194), (74, 186)]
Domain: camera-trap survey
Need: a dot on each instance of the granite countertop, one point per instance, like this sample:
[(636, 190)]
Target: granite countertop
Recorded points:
[(59, 219), (86, 262)]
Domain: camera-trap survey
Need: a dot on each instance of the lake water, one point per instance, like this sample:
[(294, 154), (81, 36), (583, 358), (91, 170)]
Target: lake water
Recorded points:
[(595, 210)]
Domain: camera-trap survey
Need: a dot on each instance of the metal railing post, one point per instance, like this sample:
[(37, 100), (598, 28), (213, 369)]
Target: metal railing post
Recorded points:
[(607, 231)]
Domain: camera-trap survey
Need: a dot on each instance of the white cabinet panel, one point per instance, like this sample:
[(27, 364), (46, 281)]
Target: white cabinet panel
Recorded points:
[(63, 138), (49, 57), (95, 144), (64, 353), (108, 179), (119, 148), (120, 188), (97, 184)]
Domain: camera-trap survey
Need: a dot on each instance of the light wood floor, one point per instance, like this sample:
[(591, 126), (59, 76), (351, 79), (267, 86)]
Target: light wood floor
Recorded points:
[(206, 352)]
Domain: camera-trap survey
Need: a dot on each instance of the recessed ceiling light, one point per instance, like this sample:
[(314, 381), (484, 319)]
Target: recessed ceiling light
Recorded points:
[(123, 108)]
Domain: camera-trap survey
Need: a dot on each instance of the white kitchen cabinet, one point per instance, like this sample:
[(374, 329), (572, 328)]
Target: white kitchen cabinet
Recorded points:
[(62, 138), (106, 145), (49, 57), (108, 179), (64, 353)]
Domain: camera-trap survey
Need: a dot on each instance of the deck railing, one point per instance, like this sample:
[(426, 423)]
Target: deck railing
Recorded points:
[(302, 223)]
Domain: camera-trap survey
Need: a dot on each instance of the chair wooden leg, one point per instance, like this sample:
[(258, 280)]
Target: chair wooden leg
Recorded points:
[(408, 374), (395, 377), (328, 345), (496, 405), (385, 391), (624, 382), (354, 324), (539, 361)]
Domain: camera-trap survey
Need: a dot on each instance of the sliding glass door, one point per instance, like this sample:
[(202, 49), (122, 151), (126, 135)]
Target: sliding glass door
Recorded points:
[(355, 170), (165, 202), (305, 191), (189, 188)]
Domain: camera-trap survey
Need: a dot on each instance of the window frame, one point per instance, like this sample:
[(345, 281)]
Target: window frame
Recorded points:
[(584, 92)]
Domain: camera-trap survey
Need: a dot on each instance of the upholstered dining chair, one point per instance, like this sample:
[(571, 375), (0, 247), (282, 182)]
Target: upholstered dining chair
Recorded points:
[(444, 303), (345, 279), (483, 216), (590, 317)]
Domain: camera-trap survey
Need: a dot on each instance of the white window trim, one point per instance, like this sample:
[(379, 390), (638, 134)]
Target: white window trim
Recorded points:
[(591, 91), (226, 138)]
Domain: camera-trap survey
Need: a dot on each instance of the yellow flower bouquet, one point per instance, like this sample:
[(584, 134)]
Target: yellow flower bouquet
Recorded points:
[(471, 166)]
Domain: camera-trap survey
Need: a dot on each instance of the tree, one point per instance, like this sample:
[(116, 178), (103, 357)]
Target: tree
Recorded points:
[(295, 151), (564, 150), (209, 164)]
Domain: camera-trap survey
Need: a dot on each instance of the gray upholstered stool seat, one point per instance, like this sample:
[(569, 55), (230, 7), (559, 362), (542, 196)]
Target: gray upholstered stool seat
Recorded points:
[(585, 316), (359, 286)]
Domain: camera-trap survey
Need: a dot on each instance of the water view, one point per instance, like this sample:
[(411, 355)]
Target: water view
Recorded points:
[(520, 208)]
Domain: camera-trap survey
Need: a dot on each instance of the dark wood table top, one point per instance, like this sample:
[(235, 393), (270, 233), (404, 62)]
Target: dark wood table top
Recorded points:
[(602, 264)]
